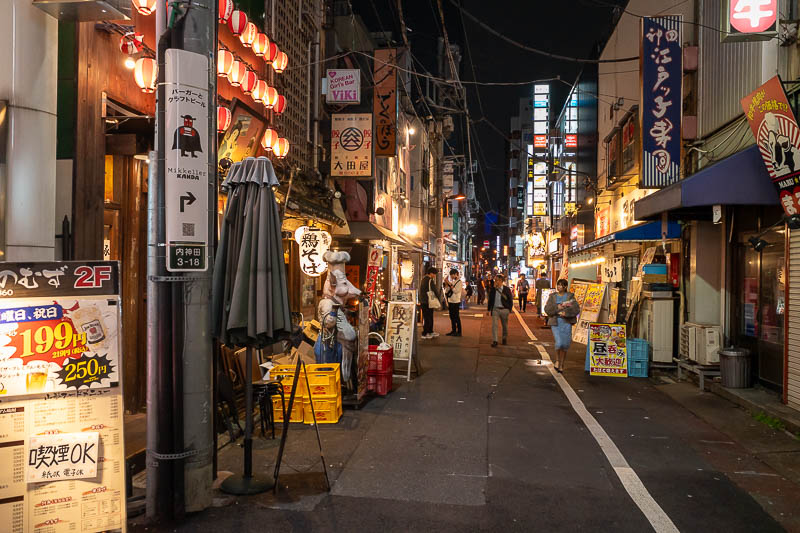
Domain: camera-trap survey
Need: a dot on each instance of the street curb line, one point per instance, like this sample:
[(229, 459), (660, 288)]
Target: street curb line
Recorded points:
[(627, 476)]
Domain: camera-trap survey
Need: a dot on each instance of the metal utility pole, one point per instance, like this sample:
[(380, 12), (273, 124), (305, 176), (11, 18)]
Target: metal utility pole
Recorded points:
[(179, 350)]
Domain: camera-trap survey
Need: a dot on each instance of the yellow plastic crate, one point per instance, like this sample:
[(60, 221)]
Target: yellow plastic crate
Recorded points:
[(324, 379), (328, 409), (286, 372), (297, 414)]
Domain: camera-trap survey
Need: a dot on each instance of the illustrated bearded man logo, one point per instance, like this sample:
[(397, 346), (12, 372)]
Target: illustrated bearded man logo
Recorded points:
[(186, 137)]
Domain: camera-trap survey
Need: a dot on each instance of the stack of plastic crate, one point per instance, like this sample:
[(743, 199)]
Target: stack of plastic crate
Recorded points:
[(325, 384), (638, 351), (380, 369), (285, 374)]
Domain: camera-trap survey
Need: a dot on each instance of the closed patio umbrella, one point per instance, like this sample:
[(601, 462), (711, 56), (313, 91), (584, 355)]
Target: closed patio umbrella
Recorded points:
[(250, 304)]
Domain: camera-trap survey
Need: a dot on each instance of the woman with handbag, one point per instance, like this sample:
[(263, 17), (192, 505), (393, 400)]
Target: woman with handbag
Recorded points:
[(430, 299), (562, 310)]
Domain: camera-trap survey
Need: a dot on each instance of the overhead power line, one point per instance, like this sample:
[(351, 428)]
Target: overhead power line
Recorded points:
[(527, 48)]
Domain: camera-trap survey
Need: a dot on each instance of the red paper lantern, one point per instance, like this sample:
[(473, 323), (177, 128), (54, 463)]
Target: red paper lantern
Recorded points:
[(145, 73), (280, 105), (271, 53), (270, 98), (261, 44), (270, 138), (224, 117), (225, 10), (238, 71), (248, 35), (280, 63), (281, 148), (238, 22), (260, 91), (144, 7), (249, 81), (224, 63), (131, 43)]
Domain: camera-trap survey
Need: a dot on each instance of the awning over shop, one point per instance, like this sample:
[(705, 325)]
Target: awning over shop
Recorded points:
[(369, 232), (649, 231), (740, 179)]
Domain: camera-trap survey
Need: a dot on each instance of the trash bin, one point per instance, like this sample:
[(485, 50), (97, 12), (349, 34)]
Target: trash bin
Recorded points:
[(735, 367)]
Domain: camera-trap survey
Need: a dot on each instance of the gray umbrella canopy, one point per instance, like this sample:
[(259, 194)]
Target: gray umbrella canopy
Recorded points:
[(250, 305)]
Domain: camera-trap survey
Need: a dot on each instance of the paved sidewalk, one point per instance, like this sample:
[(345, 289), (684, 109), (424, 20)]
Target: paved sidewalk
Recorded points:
[(485, 440)]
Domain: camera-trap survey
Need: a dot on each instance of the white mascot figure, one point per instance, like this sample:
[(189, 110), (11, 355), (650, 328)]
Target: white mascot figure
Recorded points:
[(337, 291)]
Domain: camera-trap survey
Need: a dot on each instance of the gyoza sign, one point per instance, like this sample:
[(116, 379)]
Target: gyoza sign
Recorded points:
[(313, 243), (344, 86)]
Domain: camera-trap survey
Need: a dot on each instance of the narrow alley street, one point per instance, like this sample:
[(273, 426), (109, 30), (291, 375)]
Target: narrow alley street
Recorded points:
[(486, 439)]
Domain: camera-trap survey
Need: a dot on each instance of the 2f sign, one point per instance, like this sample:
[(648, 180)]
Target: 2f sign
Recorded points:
[(92, 277)]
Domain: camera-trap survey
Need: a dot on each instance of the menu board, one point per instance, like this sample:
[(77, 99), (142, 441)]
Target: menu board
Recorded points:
[(590, 311), (607, 350), (400, 328), (579, 289), (61, 406)]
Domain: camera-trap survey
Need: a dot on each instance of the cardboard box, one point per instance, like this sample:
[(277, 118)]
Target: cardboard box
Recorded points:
[(654, 278)]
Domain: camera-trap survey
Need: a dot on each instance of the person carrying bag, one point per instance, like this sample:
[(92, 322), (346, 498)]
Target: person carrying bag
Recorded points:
[(430, 300)]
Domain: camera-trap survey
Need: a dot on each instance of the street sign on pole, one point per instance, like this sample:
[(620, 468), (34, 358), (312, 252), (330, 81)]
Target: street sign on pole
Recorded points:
[(186, 160)]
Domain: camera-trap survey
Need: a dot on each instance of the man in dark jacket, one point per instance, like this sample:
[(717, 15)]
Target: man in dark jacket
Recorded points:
[(500, 304), (429, 284)]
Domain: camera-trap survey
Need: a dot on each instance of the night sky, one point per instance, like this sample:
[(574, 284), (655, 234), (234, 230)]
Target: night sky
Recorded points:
[(568, 27)]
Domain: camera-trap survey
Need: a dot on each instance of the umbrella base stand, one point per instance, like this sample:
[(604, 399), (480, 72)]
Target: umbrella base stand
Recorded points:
[(243, 486)]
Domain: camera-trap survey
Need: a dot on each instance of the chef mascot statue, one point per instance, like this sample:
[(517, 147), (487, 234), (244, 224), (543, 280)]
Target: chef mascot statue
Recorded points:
[(335, 294)]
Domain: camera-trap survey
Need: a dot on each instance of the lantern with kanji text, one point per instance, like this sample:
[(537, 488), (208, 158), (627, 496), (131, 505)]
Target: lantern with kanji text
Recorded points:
[(238, 22), (145, 73), (225, 10), (224, 117), (224, 63)]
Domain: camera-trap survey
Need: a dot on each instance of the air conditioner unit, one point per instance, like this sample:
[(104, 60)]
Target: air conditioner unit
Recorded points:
[(688, 343), (707, 344)]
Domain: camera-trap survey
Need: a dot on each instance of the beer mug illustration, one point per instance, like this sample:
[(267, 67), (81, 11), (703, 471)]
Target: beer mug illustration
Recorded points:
[(36, 376)]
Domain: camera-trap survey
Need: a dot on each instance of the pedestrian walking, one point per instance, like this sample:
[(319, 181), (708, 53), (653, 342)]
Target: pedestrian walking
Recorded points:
[(562, 310), (453, 291), (430, 299), (481, 291), (468, 291), (501, 302), (541, 284), (522, 292)]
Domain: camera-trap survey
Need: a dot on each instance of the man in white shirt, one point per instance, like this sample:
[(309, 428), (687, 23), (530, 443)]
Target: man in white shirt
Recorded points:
[(452, 291)]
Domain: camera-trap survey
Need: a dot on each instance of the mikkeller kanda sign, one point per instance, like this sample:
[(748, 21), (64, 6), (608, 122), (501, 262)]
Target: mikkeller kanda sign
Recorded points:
[(778, 138)]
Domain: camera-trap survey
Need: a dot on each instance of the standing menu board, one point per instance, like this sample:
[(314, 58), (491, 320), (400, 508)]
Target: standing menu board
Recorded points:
[(401, 318), (61, 406), (607, 350), (590, 311)]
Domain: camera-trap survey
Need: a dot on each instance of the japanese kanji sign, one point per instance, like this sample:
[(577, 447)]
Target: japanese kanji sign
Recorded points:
[(778, 138), (313, 243), (63, 456), (385, 102), (186, 177), (351, 145), (373, 269), (400, 324), (749, 20), (344, 86), (607, 350), (661, 64)]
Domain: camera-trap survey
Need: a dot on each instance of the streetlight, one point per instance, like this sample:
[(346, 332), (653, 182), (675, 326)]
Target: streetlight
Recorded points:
[(456, 197)]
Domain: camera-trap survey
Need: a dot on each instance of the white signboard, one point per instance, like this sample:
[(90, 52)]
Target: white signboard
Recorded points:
[(344, 86), (63, 456), (351, 145), (186, 143), (611, 271), (313, 243)]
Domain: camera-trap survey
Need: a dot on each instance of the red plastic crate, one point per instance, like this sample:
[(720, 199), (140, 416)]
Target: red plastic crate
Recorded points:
[(381, 384), (380, 360)]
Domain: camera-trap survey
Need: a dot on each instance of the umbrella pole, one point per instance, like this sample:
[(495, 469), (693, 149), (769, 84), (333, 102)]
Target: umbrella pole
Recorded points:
[(247, 483)]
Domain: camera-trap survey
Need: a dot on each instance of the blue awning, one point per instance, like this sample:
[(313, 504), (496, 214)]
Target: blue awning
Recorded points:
[(649, 231), (740, 179)]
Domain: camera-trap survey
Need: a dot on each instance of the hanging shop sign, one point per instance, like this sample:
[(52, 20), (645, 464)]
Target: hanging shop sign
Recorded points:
[(400, 324), (373, 270), (611, 271), (748, 20), (571, 140), (385, 102), (313, 243), (661, 100), (576, 236), (778, 138), (607, 350), (590, 311), (448, 169), (61, 406), (186, 166), (351, 145), (344, 86)]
